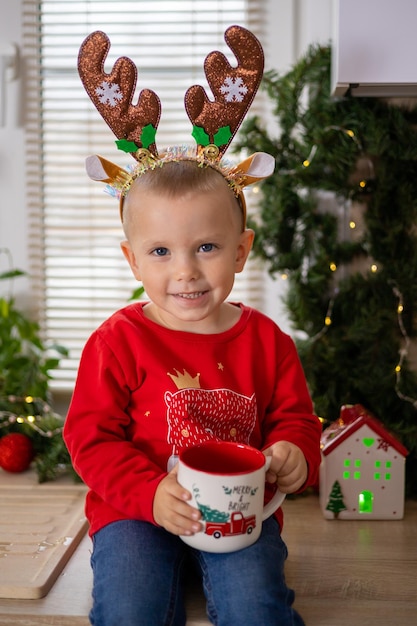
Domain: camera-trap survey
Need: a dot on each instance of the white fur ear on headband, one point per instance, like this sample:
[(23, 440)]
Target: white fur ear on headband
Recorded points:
[(256, 167), (104, 171), (95, 169)]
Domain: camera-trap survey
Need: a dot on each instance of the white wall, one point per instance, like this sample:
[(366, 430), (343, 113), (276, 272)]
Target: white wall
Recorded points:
[(292, 26), (13, 223)]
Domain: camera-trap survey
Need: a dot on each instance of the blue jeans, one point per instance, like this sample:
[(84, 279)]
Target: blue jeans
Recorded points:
[(140, 571)]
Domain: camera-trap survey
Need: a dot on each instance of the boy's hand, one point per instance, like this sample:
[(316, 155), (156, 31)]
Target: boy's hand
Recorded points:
[(288, 469), (170, 508)]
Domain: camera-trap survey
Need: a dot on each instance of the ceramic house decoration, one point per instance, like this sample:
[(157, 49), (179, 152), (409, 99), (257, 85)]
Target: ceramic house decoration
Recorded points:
[(362, 475)]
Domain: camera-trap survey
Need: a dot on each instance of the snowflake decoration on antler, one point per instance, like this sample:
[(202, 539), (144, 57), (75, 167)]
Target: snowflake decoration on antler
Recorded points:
[(109, 93), (234, 89)]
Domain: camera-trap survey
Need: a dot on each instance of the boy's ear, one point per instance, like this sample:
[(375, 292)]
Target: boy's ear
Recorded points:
[(131, 259), (243, 249)]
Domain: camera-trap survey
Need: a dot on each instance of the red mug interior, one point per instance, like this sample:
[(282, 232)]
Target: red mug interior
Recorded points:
[(223, 457)]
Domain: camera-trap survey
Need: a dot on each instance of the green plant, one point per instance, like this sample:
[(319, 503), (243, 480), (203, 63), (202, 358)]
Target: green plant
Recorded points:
[(25, 365), (352, 292)]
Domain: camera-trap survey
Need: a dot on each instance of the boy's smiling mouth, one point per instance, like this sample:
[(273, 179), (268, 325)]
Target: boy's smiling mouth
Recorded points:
[(191, 296)]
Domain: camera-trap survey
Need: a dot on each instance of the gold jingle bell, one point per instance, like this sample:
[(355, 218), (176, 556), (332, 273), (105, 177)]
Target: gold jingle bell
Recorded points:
[(211, 152)]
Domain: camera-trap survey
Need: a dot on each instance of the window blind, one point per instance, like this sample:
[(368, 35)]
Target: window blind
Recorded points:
[(78, 272)]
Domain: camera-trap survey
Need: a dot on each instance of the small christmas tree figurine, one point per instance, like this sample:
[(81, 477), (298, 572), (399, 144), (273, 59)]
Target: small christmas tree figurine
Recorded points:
[(335, 503)]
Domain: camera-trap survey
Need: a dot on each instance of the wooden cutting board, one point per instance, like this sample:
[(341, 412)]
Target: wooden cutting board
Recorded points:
[(40, 527)]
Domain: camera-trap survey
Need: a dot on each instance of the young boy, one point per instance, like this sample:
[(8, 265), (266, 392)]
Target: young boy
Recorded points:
[(187, 365), (153, 379)]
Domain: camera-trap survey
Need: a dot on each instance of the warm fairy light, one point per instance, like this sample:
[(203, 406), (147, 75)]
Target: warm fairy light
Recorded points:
[(404, 349), (33, 421), (352, 224), (284, 276), (327, 321), (308, 160), (255, 189), (362, 183), (333, 267), (374, 267)]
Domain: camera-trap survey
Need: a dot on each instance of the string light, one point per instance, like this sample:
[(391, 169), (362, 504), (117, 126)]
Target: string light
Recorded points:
[(404, 350), (7, 418), (307, 161), (363, 183), (327, 322), (373, 268)]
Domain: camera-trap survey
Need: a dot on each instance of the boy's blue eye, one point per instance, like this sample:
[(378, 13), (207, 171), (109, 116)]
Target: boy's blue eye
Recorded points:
[(207, 247), (160, 251)]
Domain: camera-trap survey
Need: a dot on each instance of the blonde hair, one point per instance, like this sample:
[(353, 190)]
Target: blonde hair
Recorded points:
[(176, 178)]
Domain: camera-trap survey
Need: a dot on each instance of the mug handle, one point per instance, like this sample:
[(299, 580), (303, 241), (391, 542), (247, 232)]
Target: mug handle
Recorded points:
[(276, 500)]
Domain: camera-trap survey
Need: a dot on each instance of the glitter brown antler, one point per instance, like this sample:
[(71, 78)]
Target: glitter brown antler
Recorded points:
[(216, 122), (133, 124)]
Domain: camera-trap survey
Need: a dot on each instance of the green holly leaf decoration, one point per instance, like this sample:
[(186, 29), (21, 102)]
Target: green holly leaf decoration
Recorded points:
[(223, 136), (126, 146), (147, 136), (200, 136)]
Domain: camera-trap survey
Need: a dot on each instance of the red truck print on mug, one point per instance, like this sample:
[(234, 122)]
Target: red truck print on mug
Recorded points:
[(236, 525)]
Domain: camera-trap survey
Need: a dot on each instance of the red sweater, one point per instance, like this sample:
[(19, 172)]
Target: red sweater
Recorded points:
[(144, 391)]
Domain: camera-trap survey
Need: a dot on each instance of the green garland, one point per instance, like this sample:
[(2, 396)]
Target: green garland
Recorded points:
[(354, 325), (25, 365)]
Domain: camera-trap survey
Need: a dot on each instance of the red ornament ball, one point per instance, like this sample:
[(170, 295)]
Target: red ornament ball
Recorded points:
[(16, 452)]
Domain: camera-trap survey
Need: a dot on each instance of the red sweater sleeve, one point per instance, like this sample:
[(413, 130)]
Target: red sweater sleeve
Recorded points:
[(95, 432), (290, 415)]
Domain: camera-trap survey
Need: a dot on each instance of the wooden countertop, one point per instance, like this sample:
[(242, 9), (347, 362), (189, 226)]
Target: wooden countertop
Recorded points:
[(343, 572)]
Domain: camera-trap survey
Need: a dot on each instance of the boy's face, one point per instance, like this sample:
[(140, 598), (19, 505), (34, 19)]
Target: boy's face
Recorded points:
[(186, 251)]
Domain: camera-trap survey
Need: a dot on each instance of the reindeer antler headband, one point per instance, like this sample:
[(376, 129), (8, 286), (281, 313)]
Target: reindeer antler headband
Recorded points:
[(215, 123)]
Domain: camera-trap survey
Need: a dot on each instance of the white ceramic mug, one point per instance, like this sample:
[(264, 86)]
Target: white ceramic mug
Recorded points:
[(227, 483)]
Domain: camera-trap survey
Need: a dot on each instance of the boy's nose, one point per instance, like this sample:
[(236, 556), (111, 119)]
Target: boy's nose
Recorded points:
[(185, 268)]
